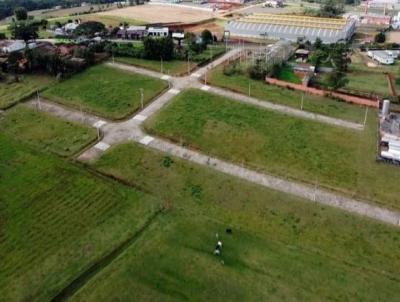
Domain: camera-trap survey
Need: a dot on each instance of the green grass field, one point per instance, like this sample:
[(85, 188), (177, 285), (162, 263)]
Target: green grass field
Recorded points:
[(295, 148), (287, 74), (56, 218), (291, 98), (281, 248), (12, 93), (46, 132), (372, 82), (106, 91), (174, 67)]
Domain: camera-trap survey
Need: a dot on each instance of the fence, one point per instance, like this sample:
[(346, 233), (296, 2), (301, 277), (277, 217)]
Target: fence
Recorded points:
[(320, 92)]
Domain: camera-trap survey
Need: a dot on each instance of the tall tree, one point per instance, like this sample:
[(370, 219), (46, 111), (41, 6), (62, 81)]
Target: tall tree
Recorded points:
[(21, 13)]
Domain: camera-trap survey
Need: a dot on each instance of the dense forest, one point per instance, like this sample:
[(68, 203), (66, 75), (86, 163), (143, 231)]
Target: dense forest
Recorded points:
[(7, 6)]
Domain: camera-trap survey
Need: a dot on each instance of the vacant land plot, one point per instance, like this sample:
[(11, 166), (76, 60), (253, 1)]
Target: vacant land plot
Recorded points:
[(56, 219), (306, 150), (278, 95), (45, 131), (368, 82), (106, 91), (161, 14), (281, 248), (174, 67), (27, 86)]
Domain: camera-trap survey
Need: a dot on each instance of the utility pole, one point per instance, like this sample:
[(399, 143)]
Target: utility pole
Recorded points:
[(188, 64), (39, 105), (366, 114), (249, 89), (205, 77), (162, 69), (302, 101), (141, 97)]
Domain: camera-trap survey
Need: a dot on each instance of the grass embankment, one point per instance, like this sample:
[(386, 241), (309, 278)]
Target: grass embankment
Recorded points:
[(56, 219), (281, 248), (46, 132), (174, 67), (12, 93), (258, 89), (106, 91), (334, 157)]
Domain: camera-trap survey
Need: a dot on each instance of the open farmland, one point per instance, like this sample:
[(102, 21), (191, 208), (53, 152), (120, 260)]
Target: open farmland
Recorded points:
[(106, 91), (305, 150), (12, 93), (281, 248), (56, 218), (161, 14), (258, 89)]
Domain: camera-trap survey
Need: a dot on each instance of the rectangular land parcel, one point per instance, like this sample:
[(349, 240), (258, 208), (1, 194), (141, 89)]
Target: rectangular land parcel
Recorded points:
[(304, 150)]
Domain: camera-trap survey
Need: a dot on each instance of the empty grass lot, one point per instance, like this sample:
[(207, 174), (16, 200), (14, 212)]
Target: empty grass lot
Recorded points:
[(368, 82), (334, 157), (56, 219), (106, 91), (281, 247), (291, 98), (45, 131), (12, 93), (174, 67)]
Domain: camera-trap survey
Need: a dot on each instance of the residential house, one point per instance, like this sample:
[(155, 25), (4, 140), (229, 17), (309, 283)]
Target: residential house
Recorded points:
[(8, 46)]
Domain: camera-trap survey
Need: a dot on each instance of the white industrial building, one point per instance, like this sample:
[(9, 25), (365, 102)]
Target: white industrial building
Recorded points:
[(292, 28), (390, 134), (385, 57)]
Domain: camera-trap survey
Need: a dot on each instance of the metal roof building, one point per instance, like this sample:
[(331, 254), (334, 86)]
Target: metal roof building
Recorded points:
[(292, 27)]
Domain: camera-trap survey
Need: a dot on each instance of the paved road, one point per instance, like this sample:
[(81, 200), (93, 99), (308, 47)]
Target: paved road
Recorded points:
[(117, 132)]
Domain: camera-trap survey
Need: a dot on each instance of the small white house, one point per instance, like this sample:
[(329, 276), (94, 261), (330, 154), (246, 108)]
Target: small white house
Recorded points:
[(158, 31), (9, 46)]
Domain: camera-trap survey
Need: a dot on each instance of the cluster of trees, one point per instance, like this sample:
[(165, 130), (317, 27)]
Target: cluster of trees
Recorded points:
[(164, 47), (329, 8), (7, 7), (333, 55), (24, 27), (256, 71)]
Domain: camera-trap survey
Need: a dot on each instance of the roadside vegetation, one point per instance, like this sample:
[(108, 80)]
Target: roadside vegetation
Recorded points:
[(106, 91), (240, 82), (332, 157)]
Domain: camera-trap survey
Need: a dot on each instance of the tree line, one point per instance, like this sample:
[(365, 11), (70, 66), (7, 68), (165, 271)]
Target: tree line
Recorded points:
[(7, 7)]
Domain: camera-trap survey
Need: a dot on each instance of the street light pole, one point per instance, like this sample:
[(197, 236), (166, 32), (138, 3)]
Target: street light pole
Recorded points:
[(141, 97), (38, 100), (162, 68), (188, 64)]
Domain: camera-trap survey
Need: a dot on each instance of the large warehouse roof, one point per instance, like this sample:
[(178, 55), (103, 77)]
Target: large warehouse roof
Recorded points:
[(292, 27)]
